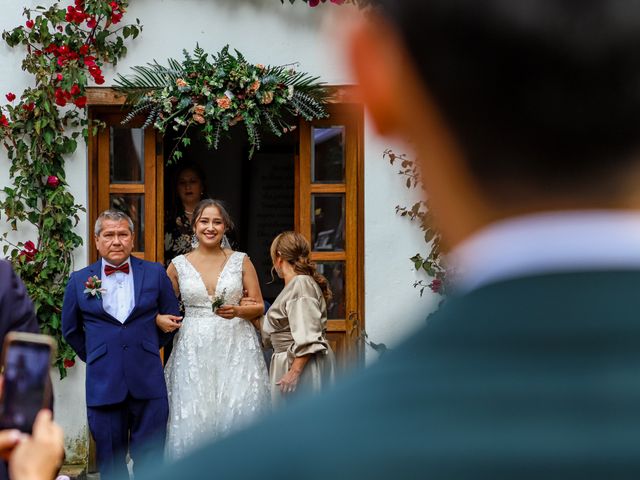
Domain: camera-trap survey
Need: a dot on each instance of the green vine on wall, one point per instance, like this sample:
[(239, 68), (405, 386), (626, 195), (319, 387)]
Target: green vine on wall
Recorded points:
[(66, 46), (431, 262)]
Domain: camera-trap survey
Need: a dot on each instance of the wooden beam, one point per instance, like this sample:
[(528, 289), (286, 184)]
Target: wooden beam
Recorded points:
[(98, 96), (107, 96)]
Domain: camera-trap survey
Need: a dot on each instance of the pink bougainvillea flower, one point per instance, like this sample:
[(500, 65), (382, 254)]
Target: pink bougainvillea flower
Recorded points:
[(30, 24), (75, 89), (80, 102), (10, 96), (3, 121), (59, 77), (91, 23), (28, 251), (29, 107), (61, 97), (68, 363), (84, 49), (436, 285), (53, 181)]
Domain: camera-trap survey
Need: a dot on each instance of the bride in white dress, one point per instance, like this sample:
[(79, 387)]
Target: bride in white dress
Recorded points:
[(216, 376)]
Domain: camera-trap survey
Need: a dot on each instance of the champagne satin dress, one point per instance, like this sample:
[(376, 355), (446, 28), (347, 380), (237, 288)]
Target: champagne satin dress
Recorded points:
[(295, 326)]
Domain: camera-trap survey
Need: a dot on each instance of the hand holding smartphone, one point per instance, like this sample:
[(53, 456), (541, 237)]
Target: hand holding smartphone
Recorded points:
[(27, 387)]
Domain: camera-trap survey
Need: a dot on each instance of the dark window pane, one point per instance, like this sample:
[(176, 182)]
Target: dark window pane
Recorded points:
[(327, 222), (334, 273), (126, 154), (327, 155), (133, 205)]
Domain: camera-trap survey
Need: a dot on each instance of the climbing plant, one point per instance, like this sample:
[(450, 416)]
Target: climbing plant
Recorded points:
[(65, 49), (431, 260)]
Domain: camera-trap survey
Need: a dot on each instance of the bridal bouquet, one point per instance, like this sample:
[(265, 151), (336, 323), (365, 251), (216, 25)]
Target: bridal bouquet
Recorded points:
[(219, 91), (218, 300)]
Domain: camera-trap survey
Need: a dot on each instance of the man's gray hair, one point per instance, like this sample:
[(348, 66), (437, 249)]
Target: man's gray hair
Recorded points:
[(115, 215)]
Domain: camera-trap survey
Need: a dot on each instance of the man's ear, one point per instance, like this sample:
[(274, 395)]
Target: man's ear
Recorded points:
[(373, 52)]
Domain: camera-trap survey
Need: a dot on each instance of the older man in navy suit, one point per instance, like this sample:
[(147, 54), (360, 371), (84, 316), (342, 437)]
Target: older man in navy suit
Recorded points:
[(112, 328)]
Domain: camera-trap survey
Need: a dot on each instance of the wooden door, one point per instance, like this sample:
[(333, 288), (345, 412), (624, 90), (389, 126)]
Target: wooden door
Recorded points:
[(127, 170), (329, 212)]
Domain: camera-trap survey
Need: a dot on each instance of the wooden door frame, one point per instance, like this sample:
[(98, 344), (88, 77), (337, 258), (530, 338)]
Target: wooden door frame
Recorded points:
[(352, 117), (101, 100), (154, 167)]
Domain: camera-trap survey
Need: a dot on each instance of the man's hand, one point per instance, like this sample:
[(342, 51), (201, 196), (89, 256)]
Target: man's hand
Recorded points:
[(168, 323), (40, 455)]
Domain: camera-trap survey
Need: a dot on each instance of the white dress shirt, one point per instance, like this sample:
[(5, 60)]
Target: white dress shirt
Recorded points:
[(119, 298), (568, 241)]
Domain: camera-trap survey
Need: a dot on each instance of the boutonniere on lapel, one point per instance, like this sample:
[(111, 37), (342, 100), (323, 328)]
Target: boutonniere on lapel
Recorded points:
[(93, 287)]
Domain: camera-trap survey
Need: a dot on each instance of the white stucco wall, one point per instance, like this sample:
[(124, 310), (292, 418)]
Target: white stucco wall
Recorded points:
[(270, 33)]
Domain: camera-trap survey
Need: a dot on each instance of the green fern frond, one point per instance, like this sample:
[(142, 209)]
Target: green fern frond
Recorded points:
[(271, 123)]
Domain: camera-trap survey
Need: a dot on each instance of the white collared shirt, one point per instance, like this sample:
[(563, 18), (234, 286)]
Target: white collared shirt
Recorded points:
[(119, 298), (570, 241)]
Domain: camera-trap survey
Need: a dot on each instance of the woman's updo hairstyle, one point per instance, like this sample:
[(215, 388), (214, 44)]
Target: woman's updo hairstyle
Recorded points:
[(210, 202), (295, 249)]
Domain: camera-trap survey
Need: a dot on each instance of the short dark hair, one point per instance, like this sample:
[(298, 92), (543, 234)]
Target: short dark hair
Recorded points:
[(115, 215), (543, 94)]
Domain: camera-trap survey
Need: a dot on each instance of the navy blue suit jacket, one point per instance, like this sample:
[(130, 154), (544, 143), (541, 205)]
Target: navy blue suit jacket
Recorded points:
[(121, 358)]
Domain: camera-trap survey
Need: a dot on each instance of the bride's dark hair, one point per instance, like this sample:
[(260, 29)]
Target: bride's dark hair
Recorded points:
[(295, 249), (210, 202)]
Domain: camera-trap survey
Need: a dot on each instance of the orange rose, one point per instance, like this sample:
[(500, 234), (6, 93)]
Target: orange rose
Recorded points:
[(198, 109), (255, 86), (198, 118), (223, 102), (181, 83)]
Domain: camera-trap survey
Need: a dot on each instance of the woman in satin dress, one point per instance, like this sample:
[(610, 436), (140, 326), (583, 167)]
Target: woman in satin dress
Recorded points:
[(295, 325)]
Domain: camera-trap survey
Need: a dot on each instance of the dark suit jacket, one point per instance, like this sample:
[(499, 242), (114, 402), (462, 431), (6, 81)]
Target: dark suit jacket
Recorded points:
[(16, 314), (533, 378), (124, 357)]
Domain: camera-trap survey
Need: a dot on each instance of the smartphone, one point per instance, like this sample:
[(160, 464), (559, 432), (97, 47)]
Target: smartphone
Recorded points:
[(27, 387)]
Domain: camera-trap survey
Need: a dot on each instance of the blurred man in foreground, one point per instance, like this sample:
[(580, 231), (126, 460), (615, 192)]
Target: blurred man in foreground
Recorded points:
[(40, 455), (526, 118)]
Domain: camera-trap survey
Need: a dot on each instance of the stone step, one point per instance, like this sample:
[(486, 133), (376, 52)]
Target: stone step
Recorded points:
[(74, 472)]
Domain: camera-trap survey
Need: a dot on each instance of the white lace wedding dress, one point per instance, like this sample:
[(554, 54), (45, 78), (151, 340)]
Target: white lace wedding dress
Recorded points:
[(216, 376)]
